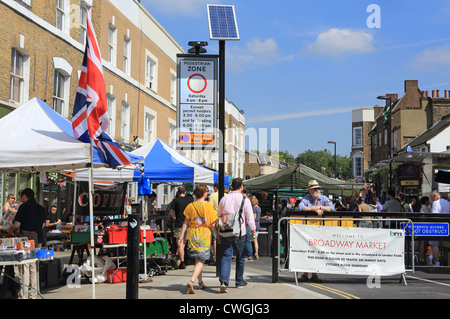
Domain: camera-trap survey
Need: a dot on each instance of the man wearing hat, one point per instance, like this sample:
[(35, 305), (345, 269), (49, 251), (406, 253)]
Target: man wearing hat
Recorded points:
[(314, 202)]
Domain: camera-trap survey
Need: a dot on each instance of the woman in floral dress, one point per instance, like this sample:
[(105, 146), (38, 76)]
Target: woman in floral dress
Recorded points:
[(201, 219)]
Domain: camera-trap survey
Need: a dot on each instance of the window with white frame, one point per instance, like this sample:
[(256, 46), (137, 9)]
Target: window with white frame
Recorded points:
[(172, 133), (125, 122), (112, 44), (126, 55), (60, 14), (151, 71), (149, 127), (83, 23), (173, 88), (111, 100), (357, 136), (357, 166), (16, 78), (58, 93)]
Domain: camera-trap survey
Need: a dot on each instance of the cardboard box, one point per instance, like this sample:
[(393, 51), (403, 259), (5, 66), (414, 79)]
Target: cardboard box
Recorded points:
[(28, 244)]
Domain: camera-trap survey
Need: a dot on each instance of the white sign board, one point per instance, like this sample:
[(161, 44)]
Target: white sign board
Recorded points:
[(197, 102), (345, 250)]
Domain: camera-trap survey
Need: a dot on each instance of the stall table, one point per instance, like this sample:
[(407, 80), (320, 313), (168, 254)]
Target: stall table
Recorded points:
[(21, 264)]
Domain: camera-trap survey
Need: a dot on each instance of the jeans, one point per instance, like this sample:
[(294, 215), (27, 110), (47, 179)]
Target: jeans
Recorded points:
[(248, 244), (228, 244)]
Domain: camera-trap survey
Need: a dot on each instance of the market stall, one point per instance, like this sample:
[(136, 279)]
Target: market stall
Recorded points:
[(161, 164), (39, 140)]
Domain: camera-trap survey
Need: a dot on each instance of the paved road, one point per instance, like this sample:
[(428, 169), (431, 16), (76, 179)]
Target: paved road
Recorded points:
[(258, 274)]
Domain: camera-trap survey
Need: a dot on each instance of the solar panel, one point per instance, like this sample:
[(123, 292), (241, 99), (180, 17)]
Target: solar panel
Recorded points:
[(222, 22)]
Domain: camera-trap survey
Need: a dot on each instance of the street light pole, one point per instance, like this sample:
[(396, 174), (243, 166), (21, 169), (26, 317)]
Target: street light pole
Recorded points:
[(389, 104), (335, 165)]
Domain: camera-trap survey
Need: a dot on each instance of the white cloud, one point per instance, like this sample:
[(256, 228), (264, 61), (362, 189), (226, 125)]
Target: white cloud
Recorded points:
[(193, 8), (429, 59), (339, 42), (255, 52), (289, 116)]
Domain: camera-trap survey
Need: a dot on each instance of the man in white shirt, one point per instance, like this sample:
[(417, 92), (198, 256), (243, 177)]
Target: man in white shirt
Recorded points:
[(439, 206)]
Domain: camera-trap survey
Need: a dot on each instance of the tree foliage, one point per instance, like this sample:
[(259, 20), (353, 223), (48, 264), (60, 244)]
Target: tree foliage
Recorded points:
[(323, 162)]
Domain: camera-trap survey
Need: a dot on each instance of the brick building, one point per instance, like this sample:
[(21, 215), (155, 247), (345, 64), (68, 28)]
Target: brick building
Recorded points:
[(412, 114)]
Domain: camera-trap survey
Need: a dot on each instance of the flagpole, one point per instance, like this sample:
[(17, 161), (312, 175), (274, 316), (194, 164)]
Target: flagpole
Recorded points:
[(91, 217)]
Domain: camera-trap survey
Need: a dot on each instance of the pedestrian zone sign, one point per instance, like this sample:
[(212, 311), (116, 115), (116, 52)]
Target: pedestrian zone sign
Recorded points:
[(197, 102)]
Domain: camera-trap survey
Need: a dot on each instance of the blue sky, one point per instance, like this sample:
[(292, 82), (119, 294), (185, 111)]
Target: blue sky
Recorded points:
[(300, 67)]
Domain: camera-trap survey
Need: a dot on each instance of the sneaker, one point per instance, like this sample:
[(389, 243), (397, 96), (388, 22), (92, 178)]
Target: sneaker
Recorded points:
[(241, 285), (182, 265), (223, 288)]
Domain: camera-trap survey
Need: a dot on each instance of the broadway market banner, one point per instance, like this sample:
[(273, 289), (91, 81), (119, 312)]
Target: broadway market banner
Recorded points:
[(343, 250)]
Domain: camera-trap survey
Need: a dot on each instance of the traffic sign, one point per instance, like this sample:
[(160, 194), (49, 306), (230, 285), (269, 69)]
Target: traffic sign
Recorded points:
[(197, 102)]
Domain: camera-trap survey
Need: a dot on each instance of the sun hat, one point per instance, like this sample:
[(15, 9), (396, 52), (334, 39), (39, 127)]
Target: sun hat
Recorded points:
[(313, 184)]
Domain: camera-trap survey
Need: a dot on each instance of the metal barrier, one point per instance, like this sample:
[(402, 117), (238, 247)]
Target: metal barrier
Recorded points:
[(340, 222)]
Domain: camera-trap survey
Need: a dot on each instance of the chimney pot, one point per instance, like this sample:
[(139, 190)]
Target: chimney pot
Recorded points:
[(427, 94), (433, 93), (437, 93), (445, 93)]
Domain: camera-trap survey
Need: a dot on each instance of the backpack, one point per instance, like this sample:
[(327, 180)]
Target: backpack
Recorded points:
[(230, 224)]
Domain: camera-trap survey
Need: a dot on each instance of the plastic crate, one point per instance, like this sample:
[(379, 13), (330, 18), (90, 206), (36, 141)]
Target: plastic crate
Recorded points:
[(159, 246), (148, 235), (80, 237), (116, 234), (115, 276), (45, 253)]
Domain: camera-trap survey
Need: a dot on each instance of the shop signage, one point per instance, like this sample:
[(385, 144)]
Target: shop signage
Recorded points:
[(427, 229), (344, 250), (197, 101), (107, 199), (409, 183)]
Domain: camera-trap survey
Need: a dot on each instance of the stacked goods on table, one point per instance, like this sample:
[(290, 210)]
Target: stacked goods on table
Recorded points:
[(20, 248)]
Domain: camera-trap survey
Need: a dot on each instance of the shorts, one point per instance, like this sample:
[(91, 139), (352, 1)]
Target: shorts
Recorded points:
[(177, 233)]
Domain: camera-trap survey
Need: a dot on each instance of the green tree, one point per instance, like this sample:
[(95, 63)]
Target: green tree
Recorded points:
[(324, 161)]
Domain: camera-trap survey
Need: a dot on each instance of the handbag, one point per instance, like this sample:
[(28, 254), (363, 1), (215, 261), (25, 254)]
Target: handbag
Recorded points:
[(230, 224)]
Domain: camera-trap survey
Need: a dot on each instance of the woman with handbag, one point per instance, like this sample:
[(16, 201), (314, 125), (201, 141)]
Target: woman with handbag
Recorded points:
[(200, 219)]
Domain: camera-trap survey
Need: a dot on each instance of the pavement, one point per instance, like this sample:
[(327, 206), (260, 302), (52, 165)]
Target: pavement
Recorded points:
[(172, 285)]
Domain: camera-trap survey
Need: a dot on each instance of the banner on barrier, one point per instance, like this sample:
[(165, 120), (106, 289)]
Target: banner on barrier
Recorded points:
[(343, 250)]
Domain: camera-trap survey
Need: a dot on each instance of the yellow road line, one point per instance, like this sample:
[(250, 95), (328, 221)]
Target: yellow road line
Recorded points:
[(335, 291)]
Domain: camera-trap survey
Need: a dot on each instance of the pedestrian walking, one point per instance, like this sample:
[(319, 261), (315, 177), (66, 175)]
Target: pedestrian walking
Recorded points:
[(228, 205), (201, 219)]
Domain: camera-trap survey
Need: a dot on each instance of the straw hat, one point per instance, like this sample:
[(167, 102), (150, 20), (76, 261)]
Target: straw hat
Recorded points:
[(313, 184)]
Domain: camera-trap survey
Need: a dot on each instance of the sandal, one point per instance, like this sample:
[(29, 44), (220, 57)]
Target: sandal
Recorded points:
[(201, 285), (190, 287)]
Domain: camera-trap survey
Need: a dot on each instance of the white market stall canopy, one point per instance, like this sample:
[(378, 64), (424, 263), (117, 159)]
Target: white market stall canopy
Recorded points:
[(35, 138), (162, 164)]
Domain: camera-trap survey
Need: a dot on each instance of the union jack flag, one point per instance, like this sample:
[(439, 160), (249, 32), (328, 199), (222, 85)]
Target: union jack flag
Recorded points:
[(90, 113)]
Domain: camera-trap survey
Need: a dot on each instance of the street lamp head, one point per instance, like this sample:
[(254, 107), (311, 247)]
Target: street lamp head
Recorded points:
[(197, 47), (331, 142), (383, 97)]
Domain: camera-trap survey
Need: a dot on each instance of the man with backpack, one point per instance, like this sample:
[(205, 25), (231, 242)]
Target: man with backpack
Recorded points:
[(230, 207)]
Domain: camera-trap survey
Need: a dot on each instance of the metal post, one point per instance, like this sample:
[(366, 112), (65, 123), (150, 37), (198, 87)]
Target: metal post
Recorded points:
[(221, 138), (133, 257), (275, 240)]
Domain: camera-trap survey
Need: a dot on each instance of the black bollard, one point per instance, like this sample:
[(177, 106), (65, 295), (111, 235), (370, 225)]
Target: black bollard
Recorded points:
[(133, 256)]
